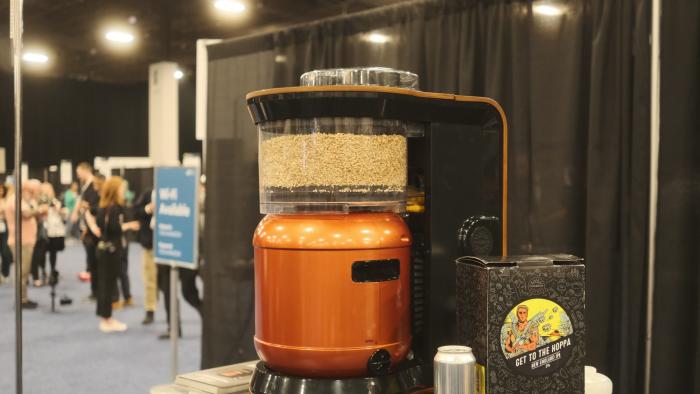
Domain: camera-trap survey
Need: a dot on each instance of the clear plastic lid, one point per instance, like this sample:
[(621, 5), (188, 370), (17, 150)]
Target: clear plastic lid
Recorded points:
[(361, 76)]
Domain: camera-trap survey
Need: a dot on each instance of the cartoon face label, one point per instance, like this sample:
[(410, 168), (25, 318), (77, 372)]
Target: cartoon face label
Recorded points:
[(536, 337)]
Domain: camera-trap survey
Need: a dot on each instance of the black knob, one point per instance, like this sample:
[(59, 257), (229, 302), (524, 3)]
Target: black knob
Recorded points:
[(479, 236), (379, 363)]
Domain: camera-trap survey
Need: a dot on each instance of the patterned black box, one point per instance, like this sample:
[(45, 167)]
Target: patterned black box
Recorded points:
[(523, 317)]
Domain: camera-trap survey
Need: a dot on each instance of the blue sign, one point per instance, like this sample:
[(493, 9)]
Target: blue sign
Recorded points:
[(176, 213)]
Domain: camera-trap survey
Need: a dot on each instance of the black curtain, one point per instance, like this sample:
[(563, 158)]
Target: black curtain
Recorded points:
[(575, 88), (616, 192), (231, 207), (676, 347), (74, 120)]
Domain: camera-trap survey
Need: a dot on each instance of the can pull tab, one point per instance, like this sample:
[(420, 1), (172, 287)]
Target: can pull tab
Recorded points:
[(535, 261)]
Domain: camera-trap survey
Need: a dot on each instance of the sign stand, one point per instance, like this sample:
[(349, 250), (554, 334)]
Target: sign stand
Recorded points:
[(174, 319)]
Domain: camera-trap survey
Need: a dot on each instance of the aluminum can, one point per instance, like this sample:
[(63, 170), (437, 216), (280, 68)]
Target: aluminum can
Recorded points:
[(455, 370)]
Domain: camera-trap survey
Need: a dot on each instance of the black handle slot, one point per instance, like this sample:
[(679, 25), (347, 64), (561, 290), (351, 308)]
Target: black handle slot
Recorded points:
[(376, 270)]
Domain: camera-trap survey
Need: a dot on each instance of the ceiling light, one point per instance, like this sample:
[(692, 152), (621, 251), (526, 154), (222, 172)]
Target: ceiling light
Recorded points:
[(378, 38), (548, 9), (231, 6), (35, 57), (121, 37), (178, 74)]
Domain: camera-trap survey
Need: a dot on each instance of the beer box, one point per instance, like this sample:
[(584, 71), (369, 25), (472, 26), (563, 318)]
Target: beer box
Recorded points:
[(523, 317)]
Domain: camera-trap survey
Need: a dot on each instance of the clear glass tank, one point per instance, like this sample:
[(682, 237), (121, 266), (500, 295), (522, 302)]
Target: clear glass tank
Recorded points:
[(336, 164)]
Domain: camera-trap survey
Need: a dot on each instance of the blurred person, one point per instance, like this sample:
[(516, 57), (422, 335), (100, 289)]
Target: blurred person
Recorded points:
[(129, 195), (42, 239), (124, 284), (123, 281), (109, 226), (143, 211), (54, 225), (70, 198), (85, 206), (97, 182), (29, 232), (5, 253)]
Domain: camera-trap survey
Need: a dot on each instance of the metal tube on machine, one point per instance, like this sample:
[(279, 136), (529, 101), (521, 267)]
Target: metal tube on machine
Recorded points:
[(455, 370)]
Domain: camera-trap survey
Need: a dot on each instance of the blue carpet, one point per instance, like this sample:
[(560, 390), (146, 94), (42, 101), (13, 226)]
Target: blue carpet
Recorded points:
[(65, 352)]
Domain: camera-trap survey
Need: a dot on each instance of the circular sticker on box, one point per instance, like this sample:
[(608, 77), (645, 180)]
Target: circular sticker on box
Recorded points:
[(536, 337)]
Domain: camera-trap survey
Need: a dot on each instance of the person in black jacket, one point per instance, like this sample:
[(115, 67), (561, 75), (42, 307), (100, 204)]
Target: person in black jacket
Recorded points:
[(143, 211), (85, 209), (5, 252), (109, 227)]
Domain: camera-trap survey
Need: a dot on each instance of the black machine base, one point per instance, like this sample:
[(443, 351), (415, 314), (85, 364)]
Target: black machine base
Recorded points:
[(407, 378)]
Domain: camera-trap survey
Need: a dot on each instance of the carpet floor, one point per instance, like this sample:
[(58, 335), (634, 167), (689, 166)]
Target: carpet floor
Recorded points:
[(64, 352)]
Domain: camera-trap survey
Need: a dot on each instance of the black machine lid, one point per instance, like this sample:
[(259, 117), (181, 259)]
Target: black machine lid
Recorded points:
[(522, 261), (378, 102), (372, 92)]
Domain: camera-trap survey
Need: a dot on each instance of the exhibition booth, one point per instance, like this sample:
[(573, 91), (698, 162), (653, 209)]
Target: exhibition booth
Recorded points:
[(434, 196)]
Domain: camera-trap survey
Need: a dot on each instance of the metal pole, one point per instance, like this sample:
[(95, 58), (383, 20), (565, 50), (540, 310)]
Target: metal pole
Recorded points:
[(16, 35), (653, 181), (174, 319)]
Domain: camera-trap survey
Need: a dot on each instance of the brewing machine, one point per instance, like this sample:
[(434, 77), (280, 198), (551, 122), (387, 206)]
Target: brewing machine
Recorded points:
[(371, 190)]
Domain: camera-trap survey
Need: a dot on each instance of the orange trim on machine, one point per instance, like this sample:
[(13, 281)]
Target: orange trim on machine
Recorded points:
[(348, 88), (504, 213), (332, 232)]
